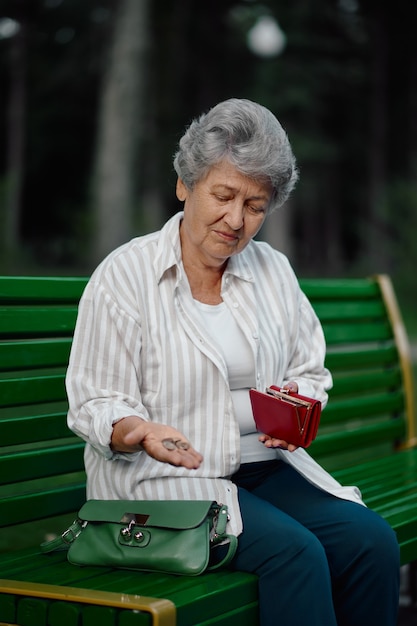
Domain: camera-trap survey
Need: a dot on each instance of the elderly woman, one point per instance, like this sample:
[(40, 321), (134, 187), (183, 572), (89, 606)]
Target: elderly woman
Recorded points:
[(174, 328)]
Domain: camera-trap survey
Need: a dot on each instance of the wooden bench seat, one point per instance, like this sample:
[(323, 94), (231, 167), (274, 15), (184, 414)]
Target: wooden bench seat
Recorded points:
[(367, 437)]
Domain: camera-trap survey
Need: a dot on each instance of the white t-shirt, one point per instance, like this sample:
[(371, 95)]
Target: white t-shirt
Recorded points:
[(232, 344)]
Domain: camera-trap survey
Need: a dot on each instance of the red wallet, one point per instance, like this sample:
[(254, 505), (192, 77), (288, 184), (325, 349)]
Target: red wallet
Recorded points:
[(286, 415)]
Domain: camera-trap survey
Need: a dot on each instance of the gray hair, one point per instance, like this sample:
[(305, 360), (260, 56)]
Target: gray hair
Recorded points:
[(247, 135)]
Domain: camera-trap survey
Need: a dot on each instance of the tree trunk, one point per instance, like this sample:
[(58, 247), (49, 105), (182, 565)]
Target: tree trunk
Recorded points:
[(16, 146), (375, 230), (120, 127)]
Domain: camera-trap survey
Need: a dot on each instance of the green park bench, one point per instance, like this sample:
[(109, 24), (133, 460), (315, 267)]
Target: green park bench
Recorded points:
[(367, 437)]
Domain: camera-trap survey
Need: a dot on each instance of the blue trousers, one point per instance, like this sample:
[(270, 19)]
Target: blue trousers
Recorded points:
[(321, 560)]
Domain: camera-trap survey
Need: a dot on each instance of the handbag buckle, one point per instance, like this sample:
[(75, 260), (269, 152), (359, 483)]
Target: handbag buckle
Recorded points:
[(217, 533), (131, 537), (71, 534), (127, 531)]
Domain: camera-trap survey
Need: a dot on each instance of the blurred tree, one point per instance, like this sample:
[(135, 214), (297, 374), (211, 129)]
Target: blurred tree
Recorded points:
[(120, 127), (64, 42), (344, 87), (392, 145), (314, 87), (20, 26), (195, 64), (16, 146)]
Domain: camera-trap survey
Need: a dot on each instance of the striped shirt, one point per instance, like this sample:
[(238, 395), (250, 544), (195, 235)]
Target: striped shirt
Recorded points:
[(139, 349)]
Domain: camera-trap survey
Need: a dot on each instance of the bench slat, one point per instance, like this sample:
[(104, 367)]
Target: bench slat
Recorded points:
[(404, 463), (395, 501), (41, 505), (39, 288), (24, 354), (405, 521), (355, 439), (339, 288), (349, 312), (393, 491), (369, 382), (354, 410), (40, 463), (18, 321), (364, 332), (361, 358), (32, 386), (34, 422)]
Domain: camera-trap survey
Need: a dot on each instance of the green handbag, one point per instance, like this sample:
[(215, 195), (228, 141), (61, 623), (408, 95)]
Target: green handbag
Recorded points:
[(173, 536)]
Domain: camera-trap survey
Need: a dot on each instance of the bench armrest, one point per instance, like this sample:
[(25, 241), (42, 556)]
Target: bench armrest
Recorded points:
[(163, 611)]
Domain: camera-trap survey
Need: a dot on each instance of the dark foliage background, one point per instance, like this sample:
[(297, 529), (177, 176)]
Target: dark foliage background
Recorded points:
[(344, 87)]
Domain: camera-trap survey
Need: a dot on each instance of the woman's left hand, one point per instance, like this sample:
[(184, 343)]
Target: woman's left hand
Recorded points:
[(272, 442)]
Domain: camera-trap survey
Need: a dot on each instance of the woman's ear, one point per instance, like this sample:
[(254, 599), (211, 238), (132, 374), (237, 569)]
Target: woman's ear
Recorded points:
[(181, 190)]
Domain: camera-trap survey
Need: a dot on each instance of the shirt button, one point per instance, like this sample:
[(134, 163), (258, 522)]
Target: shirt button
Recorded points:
[(235, 304)]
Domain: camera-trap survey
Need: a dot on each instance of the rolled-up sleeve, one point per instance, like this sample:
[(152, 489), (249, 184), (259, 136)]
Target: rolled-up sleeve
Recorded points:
[(102, 378), (306, 365)]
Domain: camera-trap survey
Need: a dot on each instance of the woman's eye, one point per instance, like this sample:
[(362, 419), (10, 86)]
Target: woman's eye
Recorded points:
[(257, 209)]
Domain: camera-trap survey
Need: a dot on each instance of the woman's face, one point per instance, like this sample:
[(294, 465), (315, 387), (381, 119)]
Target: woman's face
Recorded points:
[(222, 214)]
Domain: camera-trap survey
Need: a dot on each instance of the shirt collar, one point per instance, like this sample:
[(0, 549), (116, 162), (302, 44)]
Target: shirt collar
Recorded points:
[(169, 252), (169, 246)]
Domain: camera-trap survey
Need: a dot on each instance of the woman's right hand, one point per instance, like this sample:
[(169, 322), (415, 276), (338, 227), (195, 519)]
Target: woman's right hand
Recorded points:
[(163, 443)]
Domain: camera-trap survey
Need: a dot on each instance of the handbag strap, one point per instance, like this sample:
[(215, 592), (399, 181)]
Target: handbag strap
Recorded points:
[(219, 536), (231, 551), (64, 541)]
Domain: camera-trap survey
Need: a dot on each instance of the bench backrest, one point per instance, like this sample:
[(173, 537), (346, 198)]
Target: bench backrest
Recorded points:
[(41, 462), (371, 404)]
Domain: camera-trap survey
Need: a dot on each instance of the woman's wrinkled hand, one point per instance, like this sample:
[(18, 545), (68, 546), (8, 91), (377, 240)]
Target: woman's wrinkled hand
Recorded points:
[(161, 442), (272, 442)]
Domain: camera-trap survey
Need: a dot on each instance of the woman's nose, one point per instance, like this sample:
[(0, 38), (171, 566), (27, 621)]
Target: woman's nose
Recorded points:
[(235, 215)]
